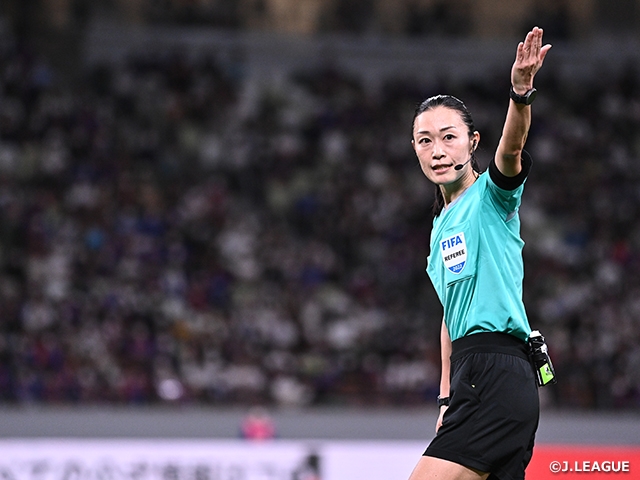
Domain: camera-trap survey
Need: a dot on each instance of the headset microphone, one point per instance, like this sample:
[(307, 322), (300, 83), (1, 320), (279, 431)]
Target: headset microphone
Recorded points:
[(460, 166)]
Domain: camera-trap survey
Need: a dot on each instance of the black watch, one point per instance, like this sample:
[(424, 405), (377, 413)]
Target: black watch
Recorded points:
[(526, 99), (443, 401)]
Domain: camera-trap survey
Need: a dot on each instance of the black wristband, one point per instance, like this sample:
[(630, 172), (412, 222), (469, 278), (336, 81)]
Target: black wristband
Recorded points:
[(443, 401)]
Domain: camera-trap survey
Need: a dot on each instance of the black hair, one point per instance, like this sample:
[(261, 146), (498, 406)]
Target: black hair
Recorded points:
[(447, 101)]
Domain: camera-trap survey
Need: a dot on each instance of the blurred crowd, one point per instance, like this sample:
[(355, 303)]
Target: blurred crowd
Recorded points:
[(173, 232), (435, 18)]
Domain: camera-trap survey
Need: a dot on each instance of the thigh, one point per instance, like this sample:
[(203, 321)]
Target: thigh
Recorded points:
[(432, 468)]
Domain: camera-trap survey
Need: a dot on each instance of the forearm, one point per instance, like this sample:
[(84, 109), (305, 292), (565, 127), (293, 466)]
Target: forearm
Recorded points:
[(445, 352), (514, 137)]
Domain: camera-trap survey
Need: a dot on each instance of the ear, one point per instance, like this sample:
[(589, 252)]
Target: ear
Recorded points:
[(476, 140)]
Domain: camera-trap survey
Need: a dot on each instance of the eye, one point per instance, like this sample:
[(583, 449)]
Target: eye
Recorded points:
[(449, 136), (424, 141)]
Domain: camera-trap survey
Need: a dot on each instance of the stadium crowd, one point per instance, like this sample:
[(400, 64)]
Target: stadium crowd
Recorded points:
[(172, 233)]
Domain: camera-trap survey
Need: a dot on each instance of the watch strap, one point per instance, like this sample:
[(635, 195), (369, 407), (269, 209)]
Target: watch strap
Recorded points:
[(526, 99)]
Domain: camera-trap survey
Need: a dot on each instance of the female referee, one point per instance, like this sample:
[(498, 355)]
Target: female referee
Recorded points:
[(488, 399)]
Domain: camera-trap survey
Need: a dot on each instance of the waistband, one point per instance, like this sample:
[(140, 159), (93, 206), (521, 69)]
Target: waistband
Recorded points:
[(489, 342)]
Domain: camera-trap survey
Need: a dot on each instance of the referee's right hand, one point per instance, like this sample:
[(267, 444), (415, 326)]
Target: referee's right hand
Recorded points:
[(439, 422)]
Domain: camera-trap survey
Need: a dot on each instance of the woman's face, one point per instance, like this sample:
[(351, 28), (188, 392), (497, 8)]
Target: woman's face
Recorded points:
[(441, 141)]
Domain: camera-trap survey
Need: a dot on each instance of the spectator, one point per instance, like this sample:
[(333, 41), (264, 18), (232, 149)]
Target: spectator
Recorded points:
[(164, 238)]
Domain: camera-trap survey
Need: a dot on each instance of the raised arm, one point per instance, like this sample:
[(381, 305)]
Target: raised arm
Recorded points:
[(529, 58)]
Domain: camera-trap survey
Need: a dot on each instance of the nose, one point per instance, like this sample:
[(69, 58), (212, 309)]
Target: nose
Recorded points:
[(436, 150)]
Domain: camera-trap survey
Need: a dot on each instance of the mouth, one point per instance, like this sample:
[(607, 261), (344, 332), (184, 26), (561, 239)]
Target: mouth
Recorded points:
[(441, 168)]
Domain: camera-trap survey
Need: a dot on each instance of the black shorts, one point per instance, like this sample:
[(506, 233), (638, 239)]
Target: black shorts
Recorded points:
[(494, 408)]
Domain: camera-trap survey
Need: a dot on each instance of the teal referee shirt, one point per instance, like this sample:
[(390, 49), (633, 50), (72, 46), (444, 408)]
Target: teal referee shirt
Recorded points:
[(475, 262)]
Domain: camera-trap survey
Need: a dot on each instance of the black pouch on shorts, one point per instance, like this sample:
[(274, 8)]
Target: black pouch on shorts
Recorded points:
[(539, 356)]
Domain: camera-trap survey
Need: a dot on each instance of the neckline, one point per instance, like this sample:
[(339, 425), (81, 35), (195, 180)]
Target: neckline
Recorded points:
[(451, 204)]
